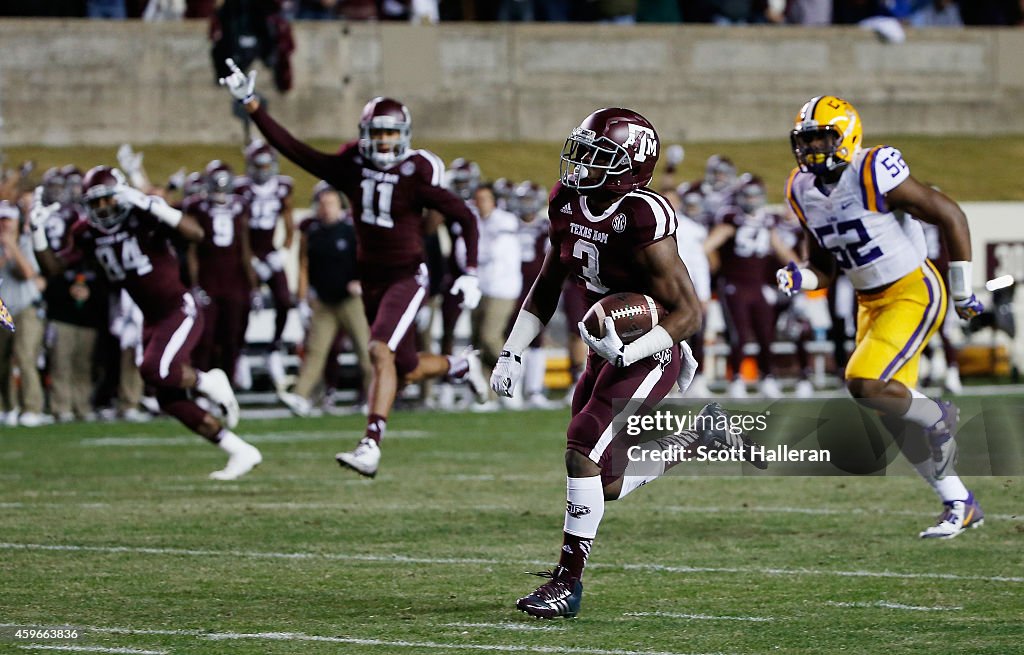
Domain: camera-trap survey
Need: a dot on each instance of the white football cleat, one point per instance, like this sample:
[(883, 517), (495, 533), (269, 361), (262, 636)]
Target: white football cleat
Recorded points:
[(34, 420), (217, 388), (540, 401), (952, 382), (804, 389), (239, 463), (275, 367), (738, 388), (297, 404), (957, 516), (133, 415), (769, 388), (475, 376), (364, 460), (243, 373)]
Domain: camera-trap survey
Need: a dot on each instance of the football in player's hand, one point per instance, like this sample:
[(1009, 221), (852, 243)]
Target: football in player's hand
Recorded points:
[(634, 315)]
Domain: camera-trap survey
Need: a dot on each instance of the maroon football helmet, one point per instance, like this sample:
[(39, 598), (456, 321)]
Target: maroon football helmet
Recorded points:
[(463, 177), (719, 172), (72, 183), (260, 162), (98, 186), (53, 186), (219, 179), (384, 115), (527, 200), (612, 149), (752, 195)]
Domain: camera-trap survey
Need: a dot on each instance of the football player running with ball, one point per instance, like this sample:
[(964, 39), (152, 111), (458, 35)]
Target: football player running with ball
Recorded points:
[(389, 185), (845, 196), (610, 233)]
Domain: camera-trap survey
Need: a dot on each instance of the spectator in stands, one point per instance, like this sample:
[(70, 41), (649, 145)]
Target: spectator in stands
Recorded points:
[(329, 295), (500, 271), (808, 12), (106, 9), (22, 292), (937, 13), (516, 10)]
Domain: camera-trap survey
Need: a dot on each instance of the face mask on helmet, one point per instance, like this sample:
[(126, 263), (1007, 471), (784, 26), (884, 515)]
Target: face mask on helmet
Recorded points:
[(219, 181), (723, 174), (815, 149), (588, 163), (751, 198), (53, 186), (693, 205), (262, 167), (99, 190)]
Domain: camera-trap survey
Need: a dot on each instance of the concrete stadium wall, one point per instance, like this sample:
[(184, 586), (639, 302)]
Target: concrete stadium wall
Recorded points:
[(86, 82)]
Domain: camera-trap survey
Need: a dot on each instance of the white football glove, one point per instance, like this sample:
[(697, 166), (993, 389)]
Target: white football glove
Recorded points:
[(132, 196), (468, 285), (241, 86), (39, 213), (609, 347), (129, 160), (506, 373)]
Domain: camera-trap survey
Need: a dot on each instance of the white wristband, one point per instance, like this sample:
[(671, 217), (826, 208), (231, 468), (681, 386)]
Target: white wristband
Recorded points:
[(960, 280), (654, 341), (808, 280), (164, 212), (39, 240), (525, 330)]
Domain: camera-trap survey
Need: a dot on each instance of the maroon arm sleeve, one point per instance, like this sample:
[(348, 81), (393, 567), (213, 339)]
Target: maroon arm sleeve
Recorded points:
[(321, 164), (455, 210)]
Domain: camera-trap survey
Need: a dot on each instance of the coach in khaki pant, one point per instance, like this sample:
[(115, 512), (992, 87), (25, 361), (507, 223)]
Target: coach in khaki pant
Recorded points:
[(500, 271), (22, 294), (329, 295)]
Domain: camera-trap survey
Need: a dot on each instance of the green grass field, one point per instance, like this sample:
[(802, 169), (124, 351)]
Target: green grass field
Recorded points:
[(967, 168), (115, 529)]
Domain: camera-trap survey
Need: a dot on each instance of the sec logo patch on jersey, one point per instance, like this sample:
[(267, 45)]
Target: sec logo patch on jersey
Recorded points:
[(619, 223), (407, 169)]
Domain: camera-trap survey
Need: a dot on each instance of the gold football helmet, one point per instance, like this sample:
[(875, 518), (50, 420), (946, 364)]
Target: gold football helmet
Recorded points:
[(827, 135)]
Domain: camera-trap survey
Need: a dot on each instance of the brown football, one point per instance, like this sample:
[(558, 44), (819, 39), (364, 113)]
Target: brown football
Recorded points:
[(634, 315)]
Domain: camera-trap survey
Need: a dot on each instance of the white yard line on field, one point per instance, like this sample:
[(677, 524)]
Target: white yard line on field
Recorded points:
[(813, 511), (402, 559), (92, 649), (269, 437), (884, 604), (357, 641), (508, 625), (701, 617)]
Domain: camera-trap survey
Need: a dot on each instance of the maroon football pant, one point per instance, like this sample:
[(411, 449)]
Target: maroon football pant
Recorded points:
[(167, 347), (748, 317), (278, 284), (391, 309), (592, 430), (225, 321)]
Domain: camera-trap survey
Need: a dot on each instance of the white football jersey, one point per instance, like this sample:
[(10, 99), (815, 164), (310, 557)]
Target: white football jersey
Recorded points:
[(871, 245)]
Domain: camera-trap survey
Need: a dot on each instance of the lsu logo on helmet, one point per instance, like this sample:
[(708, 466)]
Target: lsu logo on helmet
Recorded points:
[(826, 135)]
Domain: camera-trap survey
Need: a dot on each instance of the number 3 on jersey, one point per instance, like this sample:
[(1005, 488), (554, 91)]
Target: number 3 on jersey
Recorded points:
[(377, 203), (590, 255)]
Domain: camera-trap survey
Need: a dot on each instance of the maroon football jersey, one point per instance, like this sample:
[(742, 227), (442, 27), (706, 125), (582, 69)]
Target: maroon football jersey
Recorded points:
[(137, 256), (266, 203), (598, 250), (221, 269), (747, 257), (387, 205)]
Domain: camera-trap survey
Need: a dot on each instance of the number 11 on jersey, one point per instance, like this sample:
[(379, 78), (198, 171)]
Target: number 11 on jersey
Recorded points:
[(379, 212)]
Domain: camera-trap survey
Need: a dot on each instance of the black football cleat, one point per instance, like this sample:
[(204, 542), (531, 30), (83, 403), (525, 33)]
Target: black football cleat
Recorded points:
[(560, 596), (722, 436)]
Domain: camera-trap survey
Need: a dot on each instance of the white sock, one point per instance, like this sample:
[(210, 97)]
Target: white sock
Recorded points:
[(584, 508), (923, 410), (230, 442), (534, 365), (948, 488)]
